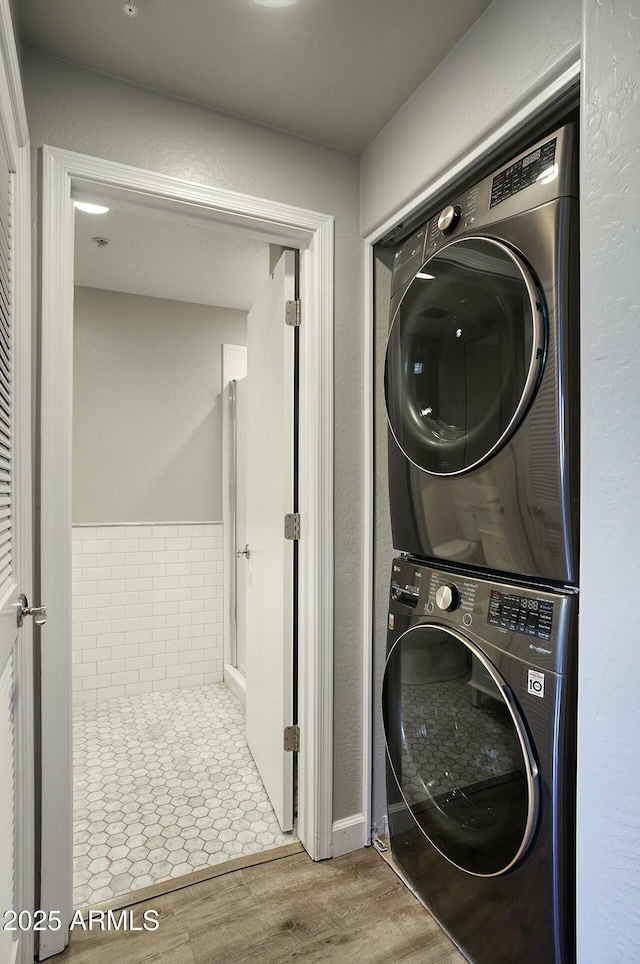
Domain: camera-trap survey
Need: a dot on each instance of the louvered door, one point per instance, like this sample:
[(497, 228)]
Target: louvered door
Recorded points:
[(8, 587), (6, 195)]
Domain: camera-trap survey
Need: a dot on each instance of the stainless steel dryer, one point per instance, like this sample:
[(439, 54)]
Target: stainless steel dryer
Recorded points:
[(481, 377), (479, 701)]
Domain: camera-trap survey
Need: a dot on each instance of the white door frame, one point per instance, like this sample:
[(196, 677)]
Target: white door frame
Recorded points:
[(16, 133), (313, 233), (566, 78)]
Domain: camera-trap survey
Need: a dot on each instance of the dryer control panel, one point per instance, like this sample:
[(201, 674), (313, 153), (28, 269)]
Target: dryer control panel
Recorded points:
[(546, 168), (538, 165)]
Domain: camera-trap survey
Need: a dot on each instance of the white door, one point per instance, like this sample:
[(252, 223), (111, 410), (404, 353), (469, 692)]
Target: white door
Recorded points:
[(269, 497), (16, 506)]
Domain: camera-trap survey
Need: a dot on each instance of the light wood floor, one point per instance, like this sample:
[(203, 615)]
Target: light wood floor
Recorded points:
[(350, 910)]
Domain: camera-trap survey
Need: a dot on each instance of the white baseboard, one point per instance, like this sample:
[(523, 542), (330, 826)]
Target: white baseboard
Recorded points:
[(349, 834), (236, 682)]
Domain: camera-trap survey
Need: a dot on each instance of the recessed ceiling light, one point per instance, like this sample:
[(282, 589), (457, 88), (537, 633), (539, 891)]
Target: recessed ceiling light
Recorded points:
[(90, 208), (276, 3), (130, 9)]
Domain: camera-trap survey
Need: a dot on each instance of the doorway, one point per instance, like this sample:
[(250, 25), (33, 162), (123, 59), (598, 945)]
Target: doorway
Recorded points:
[(312, 235), (172, 774)]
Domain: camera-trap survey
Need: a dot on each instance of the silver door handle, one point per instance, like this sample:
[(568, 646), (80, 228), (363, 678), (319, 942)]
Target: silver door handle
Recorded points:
[(243, 552), (39, 613)]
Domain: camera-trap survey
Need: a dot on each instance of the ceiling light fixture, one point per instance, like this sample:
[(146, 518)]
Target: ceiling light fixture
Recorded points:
[(90, 208), (130, 9), (276, 3)]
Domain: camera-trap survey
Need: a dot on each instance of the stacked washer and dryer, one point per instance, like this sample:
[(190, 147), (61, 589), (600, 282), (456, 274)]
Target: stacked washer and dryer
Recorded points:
[(480, 683)]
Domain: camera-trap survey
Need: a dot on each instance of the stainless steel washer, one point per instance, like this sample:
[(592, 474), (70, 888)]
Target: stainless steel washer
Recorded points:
[(479, 701)]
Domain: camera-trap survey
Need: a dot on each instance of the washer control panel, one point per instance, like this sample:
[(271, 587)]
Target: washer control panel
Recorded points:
[(521, 614), (448, 597), (451, 593), (534, 624), (406, 584)]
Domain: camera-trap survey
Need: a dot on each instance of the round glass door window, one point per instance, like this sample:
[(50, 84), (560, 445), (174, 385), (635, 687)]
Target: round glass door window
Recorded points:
[(459, 751), (465, 351)]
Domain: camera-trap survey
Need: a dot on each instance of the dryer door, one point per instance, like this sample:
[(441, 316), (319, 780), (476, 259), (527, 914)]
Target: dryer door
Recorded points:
[(465, 352), (459, 750)]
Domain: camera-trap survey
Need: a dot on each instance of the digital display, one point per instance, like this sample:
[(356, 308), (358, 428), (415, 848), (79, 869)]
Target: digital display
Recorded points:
[(522, 173), (531, 158), (519, 614)]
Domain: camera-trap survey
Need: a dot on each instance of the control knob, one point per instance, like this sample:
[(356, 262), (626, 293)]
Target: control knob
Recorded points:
[(447, 597), (449, 217)]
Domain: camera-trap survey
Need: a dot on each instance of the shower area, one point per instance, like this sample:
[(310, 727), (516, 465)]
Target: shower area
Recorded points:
[(164, 781)]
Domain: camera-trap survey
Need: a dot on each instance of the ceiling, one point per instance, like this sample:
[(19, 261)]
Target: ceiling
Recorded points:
[(334, 71), (169, 259)]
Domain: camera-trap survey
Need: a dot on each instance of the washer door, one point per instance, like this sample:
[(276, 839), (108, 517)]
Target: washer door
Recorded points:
[(459, 750), (464, 355)]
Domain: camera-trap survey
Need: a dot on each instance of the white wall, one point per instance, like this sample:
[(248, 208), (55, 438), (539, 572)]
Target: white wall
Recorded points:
[(609, 695), (83, 111), (147, 407), (147, 609), (500, 63)]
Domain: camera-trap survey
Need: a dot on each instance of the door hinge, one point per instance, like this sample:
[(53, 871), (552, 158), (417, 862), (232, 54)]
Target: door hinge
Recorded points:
[(293, 313), (292, 739), (292, 526)]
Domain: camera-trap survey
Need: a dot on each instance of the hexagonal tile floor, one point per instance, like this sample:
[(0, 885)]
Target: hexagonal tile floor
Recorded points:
[(164, 784)]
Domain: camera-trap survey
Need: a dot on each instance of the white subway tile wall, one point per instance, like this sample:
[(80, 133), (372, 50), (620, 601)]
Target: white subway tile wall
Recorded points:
[(147, 608)]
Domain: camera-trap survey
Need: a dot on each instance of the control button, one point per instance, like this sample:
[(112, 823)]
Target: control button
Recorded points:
[(449, 218), (448, 597), (469, 221), (429, 607), (467, 619)]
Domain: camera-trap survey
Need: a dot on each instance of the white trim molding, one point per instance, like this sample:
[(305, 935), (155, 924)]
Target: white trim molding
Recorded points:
[(66, 173), (349, 834), (316, 549), (24, 680), (55, 441), (11, 64), (566, 77), (368, 541)]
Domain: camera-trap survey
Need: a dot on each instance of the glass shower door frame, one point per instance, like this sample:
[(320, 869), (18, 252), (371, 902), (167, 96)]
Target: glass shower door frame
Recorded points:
[(238, 445)]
